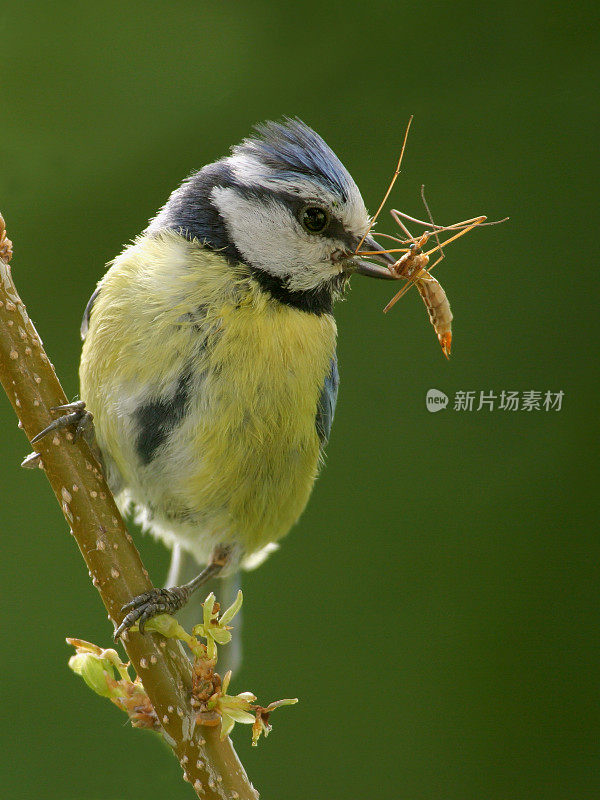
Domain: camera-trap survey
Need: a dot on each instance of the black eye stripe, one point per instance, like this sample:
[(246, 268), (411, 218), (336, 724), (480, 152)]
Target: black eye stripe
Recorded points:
[(335, 229)]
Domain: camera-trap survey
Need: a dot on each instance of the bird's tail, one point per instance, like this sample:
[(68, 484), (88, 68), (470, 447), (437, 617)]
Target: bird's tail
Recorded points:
[(182, 569)]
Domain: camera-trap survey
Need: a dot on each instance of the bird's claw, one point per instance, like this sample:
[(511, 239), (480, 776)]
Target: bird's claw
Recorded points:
[(150, 604), (75, 415)]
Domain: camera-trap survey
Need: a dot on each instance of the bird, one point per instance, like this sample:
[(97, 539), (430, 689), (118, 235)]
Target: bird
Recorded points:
[(208, 372)]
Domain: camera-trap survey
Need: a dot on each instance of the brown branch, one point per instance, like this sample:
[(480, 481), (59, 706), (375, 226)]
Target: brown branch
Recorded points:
[(209, 764)]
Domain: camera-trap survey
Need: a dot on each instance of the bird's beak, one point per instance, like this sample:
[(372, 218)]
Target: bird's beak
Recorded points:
[(379, 255)]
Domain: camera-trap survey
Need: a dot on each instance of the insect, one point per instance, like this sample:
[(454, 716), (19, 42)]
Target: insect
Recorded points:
[(413, 265)]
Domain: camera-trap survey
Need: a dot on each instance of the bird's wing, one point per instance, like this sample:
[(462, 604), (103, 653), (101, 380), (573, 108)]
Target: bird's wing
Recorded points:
[(326, 404), (85, 322)]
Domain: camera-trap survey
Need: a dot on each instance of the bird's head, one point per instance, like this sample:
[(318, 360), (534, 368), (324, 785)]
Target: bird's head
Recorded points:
[(283, 204)]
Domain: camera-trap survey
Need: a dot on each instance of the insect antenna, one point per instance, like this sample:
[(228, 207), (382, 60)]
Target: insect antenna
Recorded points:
[(399, 222), (391, 250), (388, 236)]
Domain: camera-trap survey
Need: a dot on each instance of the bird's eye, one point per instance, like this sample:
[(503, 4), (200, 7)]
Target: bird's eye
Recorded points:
[(314, 219)]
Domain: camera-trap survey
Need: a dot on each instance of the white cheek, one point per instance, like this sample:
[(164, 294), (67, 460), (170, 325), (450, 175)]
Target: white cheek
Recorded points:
[(269, 238)]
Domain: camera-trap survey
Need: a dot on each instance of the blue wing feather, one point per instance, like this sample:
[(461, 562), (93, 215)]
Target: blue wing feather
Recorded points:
[(326, 404), (85, 322)]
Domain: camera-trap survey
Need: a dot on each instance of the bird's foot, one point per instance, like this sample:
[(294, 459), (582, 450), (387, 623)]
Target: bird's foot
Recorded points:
[(168, 601), (75, 415), (150, 604)]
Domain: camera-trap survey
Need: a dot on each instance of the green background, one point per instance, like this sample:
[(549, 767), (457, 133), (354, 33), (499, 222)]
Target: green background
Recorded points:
[(436, 607)]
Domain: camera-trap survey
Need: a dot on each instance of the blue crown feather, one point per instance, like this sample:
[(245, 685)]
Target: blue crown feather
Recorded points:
[(292, 146)]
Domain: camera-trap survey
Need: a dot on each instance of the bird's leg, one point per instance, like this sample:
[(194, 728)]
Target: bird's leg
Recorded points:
[(168, 601), (75, 415)]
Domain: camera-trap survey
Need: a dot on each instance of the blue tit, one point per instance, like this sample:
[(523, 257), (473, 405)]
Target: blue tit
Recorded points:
[(209, 357)]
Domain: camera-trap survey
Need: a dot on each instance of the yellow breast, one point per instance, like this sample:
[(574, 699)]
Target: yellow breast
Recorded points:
[(245, 456), (258, 438)]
